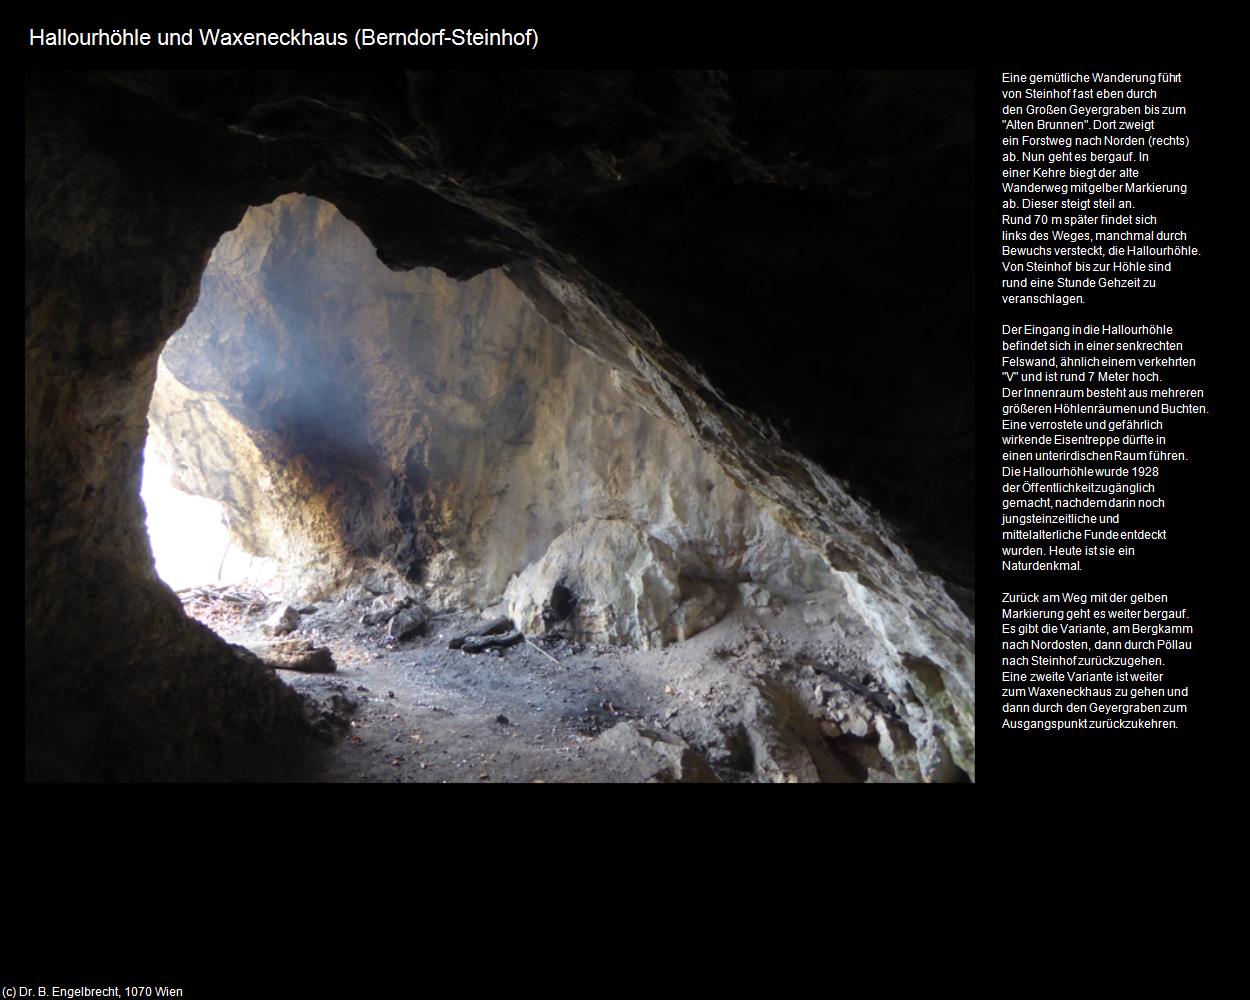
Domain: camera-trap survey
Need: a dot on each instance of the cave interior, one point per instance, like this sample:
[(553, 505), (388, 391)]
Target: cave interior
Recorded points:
[(555, 426)]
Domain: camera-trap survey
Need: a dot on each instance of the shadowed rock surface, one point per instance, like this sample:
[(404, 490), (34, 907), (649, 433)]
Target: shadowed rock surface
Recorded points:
[(720, 244)]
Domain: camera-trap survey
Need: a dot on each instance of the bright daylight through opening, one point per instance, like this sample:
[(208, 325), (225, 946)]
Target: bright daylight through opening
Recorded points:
[(189, 537)]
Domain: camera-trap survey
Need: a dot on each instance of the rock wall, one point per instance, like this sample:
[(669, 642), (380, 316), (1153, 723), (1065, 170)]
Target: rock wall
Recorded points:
[(359, 422)]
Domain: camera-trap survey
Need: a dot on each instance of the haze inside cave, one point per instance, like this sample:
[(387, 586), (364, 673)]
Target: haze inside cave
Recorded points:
[(349, 465)]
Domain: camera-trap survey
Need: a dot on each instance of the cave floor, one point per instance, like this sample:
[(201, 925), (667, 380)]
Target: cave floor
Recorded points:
[(418, 711)]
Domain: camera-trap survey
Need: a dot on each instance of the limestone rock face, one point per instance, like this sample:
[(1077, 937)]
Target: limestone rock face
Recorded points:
[(625, 585), (269, 504), (356, 420)]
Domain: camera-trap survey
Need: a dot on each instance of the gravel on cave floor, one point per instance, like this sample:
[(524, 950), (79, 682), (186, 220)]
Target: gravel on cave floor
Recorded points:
[(417, 711)]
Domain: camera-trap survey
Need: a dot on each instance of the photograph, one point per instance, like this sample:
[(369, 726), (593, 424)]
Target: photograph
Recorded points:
[(499, 426)]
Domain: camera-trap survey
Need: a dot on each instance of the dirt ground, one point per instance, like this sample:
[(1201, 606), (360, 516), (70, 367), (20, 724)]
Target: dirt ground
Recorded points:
[(743, 701)]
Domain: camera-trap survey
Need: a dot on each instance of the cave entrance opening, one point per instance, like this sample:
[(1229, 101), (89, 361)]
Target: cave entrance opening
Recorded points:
[(191, 542), (444, 482)]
